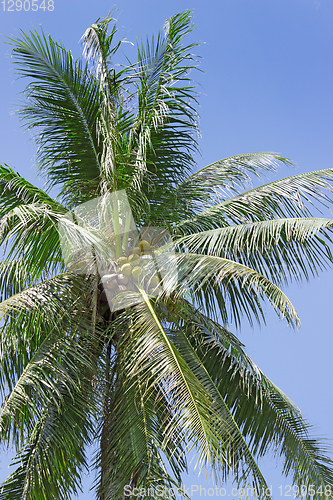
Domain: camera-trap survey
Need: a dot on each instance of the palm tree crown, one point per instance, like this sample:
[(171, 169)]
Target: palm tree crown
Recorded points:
[(118, 295)]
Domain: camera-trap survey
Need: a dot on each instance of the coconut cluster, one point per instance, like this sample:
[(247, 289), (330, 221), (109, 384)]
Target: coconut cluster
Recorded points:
[(131, 270)]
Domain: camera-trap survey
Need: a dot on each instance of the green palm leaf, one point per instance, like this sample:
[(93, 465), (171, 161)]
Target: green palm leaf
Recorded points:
[(226, 281), (163, 131), (258, 406), (283, 249), (63, 105), (216, 181), (289, 197)]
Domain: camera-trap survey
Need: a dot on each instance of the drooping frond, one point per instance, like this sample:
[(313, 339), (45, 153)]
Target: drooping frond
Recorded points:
[(28, 227), (47, 364), (281, 249), (30, 230), (207, 423), (53, 457), (231, 285), (268, 419), (289, 197), (15, 191), (216, 182), (132, 437)]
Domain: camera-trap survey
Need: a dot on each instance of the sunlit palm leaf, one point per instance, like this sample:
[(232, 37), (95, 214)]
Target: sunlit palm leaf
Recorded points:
[(198, 272), (289, 197), (64, 102), (283, 249), (163, 135), (207, 424), (217, 181), (267, 417)]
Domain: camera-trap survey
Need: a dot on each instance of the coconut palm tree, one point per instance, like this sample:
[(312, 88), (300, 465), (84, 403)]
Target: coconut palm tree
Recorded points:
[(152, 377)]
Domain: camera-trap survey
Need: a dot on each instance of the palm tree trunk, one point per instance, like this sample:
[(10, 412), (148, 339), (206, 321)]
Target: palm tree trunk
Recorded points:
[(105, 430), (107, 487)]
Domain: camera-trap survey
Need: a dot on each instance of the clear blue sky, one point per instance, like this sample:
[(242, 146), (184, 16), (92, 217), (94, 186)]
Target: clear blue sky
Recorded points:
[(267, 86)]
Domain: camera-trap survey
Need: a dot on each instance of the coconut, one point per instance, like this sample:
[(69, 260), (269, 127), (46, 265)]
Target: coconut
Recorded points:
[(108, 277), (136, 272), (121, 261), (137, 250), (170, 305), (134, 259), (110, 285), (126, 269), (145, 245)]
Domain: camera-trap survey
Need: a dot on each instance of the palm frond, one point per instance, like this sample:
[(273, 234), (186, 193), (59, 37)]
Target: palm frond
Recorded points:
[(52, 461), (240, 460), (116, 117), (15, 191), (133, 449), (30, 230), (208, 278), (289, 197), (63, 104), (281, 249), (217, 181), (207, 423), (268, 419), (163, 132), (99, 47), (31, 316)]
